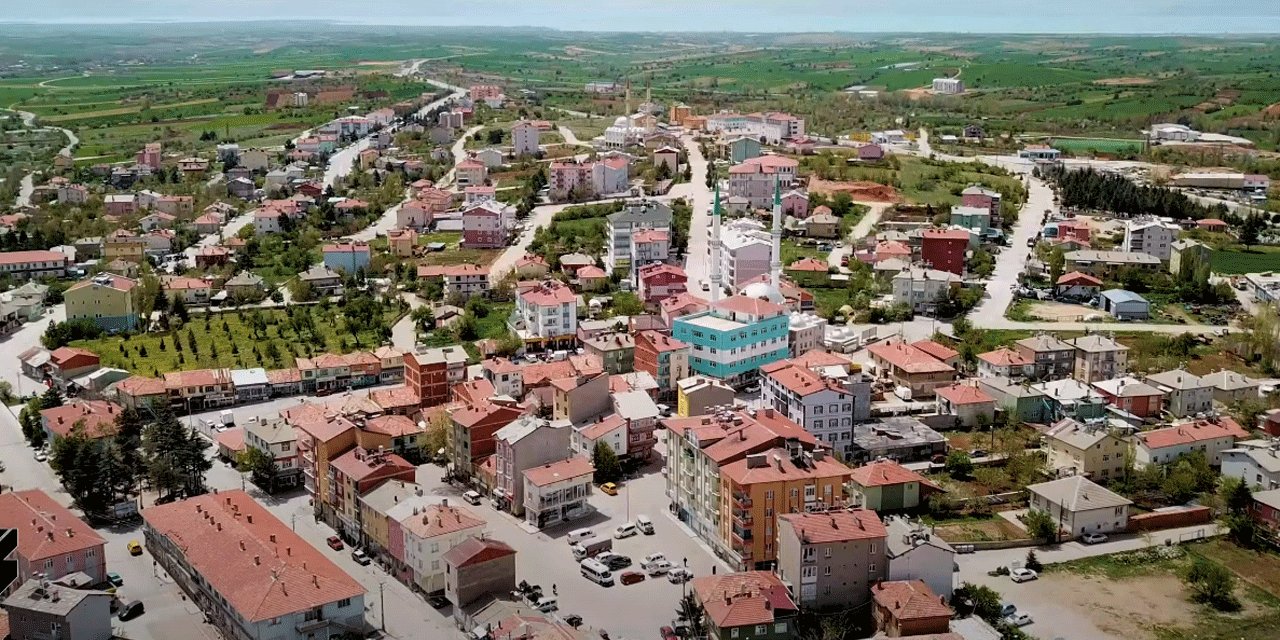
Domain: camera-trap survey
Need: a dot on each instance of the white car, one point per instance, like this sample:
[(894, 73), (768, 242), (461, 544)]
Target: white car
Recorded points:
[(678, 575), (1093, 538), (1023, 575), (625, 531), (652, 558), (658, 568), (1018, 620)]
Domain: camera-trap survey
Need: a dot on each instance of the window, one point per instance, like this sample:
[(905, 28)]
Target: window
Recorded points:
[(435, 547), (435, 565), (48, 564), (91, 553), (826, 571), (345, 602), (871, 568), (827, 552), (313, 614), (733, 633), (761, 629), (817, 411), (873, 548), (807, 553), (781, 627)]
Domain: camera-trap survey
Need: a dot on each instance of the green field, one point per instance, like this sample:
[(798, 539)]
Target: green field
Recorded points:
[(1256, 260), (1099, 145), (234, 346)]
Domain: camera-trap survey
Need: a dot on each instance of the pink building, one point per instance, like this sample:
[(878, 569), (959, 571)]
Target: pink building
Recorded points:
[(870, 152), (755, 179), (51, 540), (564, 177), (658, 282), (150, 155), (471, 172), (796, 204), (484, 226)]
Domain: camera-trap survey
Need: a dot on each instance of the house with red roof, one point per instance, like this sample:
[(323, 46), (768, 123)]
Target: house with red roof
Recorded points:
[(1005, 363), (660, 281), (890, 249), (681, 304), (464, 279), (470, 172), (49, 539), (1077, 285), (140, 392), (474, 426), (1209, 436), (907, 608), (347, 257), (832, 559), (886, 485), (199, 389), (485, 224), (663, 357), (249, 572), (96, 417), (755, 179), (356, 473), (532, 266), (557, 492), (1213, 225), (909, 366), (547, 315), (741, 604), (970, 405), (66, 363)]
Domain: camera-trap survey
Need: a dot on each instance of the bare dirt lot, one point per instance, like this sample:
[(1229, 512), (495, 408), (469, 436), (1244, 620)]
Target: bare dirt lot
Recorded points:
[(862, 191), (1061, 311), (1125, 81)]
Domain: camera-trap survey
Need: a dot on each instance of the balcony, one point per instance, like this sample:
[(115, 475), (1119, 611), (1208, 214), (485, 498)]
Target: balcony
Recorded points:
[(741, 500), (743, 519)]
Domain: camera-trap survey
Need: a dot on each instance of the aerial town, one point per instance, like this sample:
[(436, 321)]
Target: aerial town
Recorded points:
[(503, 344)]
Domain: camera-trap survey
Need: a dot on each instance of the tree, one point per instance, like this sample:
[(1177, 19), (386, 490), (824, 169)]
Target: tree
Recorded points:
[(1057, 264), (626, 303), (261, 466), (1041, 525), (958, 464), (439, 428), (1250, 229), (690, 612), (1033, 563), (1237, 495), (985, 601), (29, 419), (1212, 584), (51, 399), (608, 469), (179, 309), (176, 458)]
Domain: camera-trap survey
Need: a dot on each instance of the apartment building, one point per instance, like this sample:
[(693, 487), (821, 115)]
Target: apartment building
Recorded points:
[(50, 539), (736, 337), (250, 574), (1051, 357), (922, 288), (908, 366), (756, 179), (1150, 236), (431, 532), (465, 280), (820, 404), (1099, 357), (1094, 450), (1186, 394), (526, 443), (752, 605), (108, 300), (621, 227), (29, 265), (276, 438), (1211, 437), (546, 315), (485, 225), (831, 559), (557, 492), (474, 429), (663, 357), (432, 372)]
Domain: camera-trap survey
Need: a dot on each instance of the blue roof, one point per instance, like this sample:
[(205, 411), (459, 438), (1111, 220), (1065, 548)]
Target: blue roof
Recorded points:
[(1117, 296)]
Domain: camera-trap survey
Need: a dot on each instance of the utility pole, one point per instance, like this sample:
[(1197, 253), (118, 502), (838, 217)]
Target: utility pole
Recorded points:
[(382, 607)]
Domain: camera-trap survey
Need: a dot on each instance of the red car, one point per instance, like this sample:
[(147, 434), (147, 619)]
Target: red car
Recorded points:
[(668, 633), (632, 577), (334, 543)]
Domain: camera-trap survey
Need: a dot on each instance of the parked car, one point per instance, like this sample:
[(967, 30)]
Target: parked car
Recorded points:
[(135, 549), (131, 610), (652, 558), (115, 579), (658, 568), (360, 557), (1094, 538), (574, 620), (632, 577), (668, 633), (438, 602), (609, 488), (472, 498), (678, 575), (41, 456), (1018, 620), (614, 561), (1023, 575), (625, 530), (1007, 609), (334, 543)]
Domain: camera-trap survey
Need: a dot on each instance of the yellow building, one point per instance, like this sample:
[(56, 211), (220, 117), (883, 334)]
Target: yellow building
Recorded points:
[(1094, 451), (401, 242), (696, 395), (755, 489), (124, 245), (390, 501), (109, 300)]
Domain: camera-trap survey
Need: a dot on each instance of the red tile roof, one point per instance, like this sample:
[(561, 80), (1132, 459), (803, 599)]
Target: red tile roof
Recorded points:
[(440, 520), (138, 386), (603, 426), (591, 272), (284, 376), (476, 551), (661, 342), (884, 473), (549, 293), (753, 306), (799, 379), (781, 468), (45, 528), (945, 234), (347, 247), (249, 557), (836, 526), (726, 441), (964, 394), (62, 355), (359, 464), (232, 439), (197, 378), (98, 416), (808, 264), (908, 358), (742, 599), (651, 235), (909, 600), (567, 469), (22, 257), (1005, 357), (395, 426), (1076, 278), (939, 351), (1190, 432)]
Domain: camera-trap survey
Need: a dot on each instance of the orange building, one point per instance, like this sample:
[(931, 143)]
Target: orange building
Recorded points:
[(760, 486)]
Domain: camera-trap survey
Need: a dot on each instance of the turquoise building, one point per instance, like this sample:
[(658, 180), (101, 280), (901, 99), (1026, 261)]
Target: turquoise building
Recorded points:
[(734, 338)]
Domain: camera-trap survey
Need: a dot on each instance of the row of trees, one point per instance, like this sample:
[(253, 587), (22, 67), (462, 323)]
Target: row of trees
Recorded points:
[(1089, 189)]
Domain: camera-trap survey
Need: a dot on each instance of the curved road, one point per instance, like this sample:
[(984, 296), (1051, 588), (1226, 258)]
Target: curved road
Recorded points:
[(28, 186)]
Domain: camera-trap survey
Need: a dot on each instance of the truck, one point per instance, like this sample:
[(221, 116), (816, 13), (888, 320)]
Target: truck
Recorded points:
[(591, 547)]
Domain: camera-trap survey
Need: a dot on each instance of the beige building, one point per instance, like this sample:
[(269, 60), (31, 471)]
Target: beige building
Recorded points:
[(831, 560), (1094, 451), (1099, 357), (697, 394)]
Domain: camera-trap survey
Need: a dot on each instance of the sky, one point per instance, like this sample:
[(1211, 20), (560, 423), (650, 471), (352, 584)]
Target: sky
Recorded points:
[(868, 16)]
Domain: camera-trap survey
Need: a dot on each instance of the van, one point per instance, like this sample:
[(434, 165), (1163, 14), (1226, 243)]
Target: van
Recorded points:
[(472, 498), (596, 572), (578, 535), (547, 605), (644, 524), (625, 530)]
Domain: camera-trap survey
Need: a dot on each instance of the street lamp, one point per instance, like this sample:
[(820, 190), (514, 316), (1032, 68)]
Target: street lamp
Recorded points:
[(382, 607)]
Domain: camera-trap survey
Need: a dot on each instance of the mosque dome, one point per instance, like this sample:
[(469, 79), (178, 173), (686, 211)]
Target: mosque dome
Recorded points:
[(763, 291)]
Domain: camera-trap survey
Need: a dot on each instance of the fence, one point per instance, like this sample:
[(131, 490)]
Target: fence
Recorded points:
[(1169, 519)]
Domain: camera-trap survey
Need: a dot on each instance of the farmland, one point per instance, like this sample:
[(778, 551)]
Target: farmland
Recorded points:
[(1254, 260)]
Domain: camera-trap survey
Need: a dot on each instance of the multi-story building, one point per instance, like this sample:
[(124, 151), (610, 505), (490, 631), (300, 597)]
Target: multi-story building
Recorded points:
[(1093, 450), (557, 492), (525, 138), (1070, 398), (474, 429), (431, 372), (756, 179), (1005, 363), (746, 250), (250, 574), (822, 405), (969, 405), (908, 366), (698, 449), (1184, 252), (915, 553), (485, 225), (1150, 236), (944, 249), (524, 444), (40, 610), (465, 280), (1187, 394), (921, 289), (476, 568), (975, 219), (700, 395), (27, 265), (736, 337), (752, 605), (50, 540), (199, 389), (1079, 506), (1210, 437), (108, 300), (663, 357), (1255, 462), (1052, 357), (546, 315), (356, 473), (638, 411), (580, 398), (471, 172), (622, 227), (123, 244), (657, 282), (276, 438), (615, 350), (566, 178), (381, 511), (831, 560), (1098, 357), (432, 532), (1230, 387), (1108, 264), (1131, 396), (774, 127), (948, 86)]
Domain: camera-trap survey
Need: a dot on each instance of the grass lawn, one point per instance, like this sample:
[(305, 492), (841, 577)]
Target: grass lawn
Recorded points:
[(829, 300), (236, 347), (447, 237), (1258, 259), (584, 128), (1100, 145), (791, 251), (458, 255)]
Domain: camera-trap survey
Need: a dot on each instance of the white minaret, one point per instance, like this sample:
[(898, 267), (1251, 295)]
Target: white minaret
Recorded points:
[(775, 266), (626, 106), (715, 247)]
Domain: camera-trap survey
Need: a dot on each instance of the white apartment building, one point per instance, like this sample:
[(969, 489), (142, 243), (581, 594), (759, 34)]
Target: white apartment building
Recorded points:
[(26, 265), (747, 249), (1256, 462), (547, 312), (805, 332), (1153, 237), (1186, 394), (557, 492), (820, 405), (525, 138), (773, 127), (636, 216), (276, 438), (429, 533), (1211, 437), (948, 86), (921, 287)]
